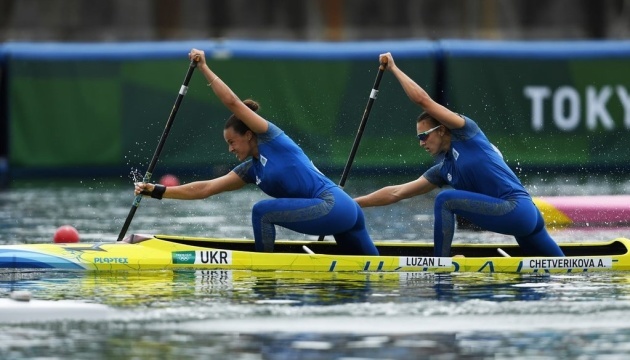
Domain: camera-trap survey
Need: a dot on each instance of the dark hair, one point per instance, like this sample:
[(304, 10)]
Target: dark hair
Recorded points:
[(425, 116), (237, 124)]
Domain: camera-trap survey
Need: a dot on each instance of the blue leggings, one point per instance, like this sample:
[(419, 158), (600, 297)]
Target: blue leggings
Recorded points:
[(518, 217), (333, 212)]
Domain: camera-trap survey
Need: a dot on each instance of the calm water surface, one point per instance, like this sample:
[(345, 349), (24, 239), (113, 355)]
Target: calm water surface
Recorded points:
[(284, 315)]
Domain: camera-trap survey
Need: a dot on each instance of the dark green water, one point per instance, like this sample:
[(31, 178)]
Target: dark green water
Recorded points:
[(276, 315)]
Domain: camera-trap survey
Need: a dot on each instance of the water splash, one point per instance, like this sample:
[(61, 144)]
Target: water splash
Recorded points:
[(135, 175)]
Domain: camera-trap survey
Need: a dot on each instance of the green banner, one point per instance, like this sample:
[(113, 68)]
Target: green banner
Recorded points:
[(89, 113), (544, 104), (546, 111), (64, 113)]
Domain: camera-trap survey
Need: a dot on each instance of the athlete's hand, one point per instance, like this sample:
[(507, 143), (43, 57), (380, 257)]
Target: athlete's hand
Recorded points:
[(197, 55), (143, 188), (388, 59)]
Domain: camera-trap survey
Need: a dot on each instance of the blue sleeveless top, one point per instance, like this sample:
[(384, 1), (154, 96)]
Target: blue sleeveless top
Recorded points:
[(474, 164), (282, 170)]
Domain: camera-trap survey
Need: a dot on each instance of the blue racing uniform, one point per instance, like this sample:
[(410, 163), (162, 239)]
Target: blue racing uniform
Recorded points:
[(305, 201), (486, 192)]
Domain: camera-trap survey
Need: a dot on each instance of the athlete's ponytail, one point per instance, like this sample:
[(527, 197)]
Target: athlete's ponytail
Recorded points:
[(237, 124)]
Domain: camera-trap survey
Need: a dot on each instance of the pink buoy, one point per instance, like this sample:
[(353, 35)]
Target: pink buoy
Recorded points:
[(169, 180)]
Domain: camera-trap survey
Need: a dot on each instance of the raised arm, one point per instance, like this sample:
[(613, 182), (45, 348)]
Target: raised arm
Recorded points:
[(254, 121), (395, 193), (419, 96)]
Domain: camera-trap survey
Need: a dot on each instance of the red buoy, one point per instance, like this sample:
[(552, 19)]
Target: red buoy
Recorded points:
[(169, 180), (66, 234)]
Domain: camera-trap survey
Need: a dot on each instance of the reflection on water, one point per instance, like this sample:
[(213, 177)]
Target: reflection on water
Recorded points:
[(401, 293), (285, 315), (288, 315)]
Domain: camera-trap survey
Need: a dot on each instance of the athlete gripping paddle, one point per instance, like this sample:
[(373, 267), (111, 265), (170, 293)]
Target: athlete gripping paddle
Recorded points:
[(485, 190), (305, 200)]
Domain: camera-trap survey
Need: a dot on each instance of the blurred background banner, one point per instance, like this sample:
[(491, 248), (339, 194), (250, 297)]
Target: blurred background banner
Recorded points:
[(88, 105), (86, 88), (546, 105)]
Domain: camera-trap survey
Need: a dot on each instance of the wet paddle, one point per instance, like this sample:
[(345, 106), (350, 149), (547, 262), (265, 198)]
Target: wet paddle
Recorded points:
[(158, 150), (357, 138)]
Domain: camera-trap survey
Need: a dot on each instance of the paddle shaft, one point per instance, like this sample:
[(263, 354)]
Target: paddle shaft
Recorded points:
[(357, 138), (169, 123)]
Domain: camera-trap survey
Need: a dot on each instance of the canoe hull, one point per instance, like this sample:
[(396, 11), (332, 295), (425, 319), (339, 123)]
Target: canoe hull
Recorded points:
[(163, 252)]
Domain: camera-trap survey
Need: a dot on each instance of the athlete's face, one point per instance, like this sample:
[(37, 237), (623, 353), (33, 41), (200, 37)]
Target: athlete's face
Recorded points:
[(243, 146), (433, 137)]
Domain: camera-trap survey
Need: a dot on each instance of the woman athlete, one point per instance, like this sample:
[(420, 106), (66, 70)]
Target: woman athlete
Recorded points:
[(486, 191), (305, 201)]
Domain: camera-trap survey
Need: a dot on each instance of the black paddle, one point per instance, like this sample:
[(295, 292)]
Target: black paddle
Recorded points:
[(147, 176), (357, 139)]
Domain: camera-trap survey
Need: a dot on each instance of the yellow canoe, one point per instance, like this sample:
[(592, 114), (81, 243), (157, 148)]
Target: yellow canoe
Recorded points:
[(167, 252)]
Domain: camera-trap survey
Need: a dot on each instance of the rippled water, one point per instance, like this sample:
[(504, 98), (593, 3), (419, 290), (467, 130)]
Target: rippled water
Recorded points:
[(285, 315)]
